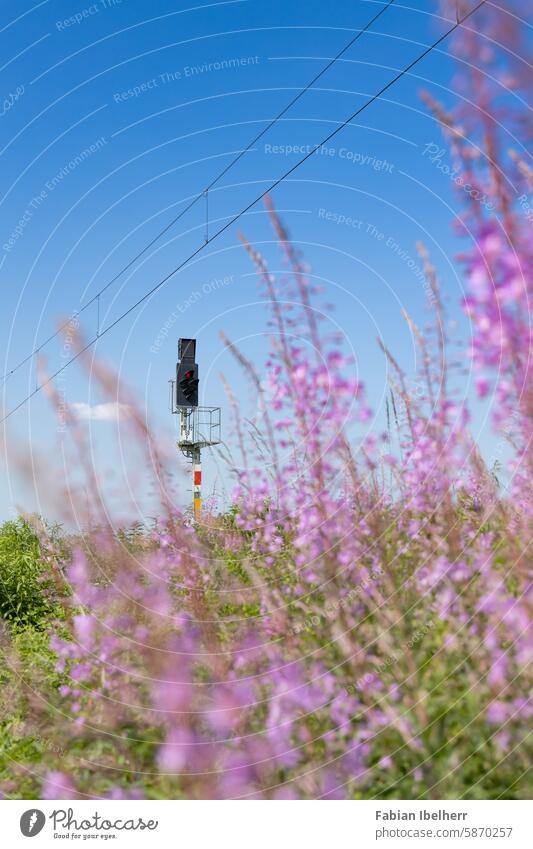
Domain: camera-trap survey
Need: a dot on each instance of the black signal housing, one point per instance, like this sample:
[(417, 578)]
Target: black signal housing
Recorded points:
[(187, 379)]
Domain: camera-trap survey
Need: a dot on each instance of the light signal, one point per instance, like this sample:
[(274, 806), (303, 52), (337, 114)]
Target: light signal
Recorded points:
[(187, 374), (188, 384)]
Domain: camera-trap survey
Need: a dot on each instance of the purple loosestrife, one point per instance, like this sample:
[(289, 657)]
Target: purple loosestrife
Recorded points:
[(357, 623)]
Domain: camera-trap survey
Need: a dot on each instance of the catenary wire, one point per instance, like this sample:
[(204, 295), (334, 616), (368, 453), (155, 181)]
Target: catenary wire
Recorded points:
[(196, 198), (246, 209)]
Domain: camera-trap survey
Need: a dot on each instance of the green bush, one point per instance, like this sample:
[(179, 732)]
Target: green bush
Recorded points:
[(24, 589)]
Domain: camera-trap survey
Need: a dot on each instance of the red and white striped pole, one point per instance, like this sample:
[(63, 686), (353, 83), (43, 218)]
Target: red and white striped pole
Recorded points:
[(197, 483)]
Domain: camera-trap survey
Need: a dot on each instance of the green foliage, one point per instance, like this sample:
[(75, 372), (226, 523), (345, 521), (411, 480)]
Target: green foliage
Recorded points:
[(25, 591), (27, 740)]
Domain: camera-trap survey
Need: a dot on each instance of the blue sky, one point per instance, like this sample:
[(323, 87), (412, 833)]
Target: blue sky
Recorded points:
[(117, 113)]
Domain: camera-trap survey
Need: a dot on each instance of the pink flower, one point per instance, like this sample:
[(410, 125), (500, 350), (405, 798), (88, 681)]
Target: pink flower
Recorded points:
[(177, 751), (482, 386), (58, 785), (497, 713)]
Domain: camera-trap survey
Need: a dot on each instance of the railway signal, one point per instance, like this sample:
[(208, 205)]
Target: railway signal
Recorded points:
[(199, 427), (187, 379), (187, 386)]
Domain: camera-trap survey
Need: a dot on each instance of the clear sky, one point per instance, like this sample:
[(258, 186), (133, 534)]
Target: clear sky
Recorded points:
[(116, 114)]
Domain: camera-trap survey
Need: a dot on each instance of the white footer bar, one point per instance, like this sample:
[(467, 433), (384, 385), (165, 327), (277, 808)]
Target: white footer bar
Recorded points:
[(268, 825)]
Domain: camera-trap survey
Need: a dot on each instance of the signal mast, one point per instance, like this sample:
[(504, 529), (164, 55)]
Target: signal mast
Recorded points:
[(199, 427)]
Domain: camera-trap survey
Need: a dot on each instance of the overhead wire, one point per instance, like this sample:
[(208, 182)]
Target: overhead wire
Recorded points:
[(249, 206), (204, 193)]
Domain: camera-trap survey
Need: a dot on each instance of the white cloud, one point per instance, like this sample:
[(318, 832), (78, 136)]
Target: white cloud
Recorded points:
[(110, 412)]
